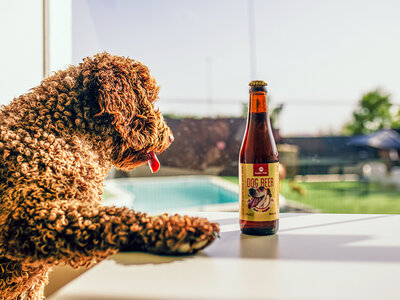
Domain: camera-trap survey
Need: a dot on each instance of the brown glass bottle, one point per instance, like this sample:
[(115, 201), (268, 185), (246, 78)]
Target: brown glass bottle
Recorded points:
[(258, 168)]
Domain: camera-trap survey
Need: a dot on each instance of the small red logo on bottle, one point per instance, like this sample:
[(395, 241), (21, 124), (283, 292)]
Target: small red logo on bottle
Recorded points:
[(260, 170)]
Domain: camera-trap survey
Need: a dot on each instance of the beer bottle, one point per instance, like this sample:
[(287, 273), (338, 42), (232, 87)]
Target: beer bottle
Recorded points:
[(258, 168)]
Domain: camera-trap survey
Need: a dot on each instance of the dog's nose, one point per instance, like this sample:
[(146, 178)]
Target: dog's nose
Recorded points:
[(252, 192), (171, 138)]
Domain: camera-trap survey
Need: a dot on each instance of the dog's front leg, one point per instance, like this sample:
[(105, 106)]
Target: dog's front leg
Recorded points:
[(79, 234), (174, 235)]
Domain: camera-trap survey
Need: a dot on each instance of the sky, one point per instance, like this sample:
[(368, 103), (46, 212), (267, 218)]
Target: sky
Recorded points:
[(318, 57)]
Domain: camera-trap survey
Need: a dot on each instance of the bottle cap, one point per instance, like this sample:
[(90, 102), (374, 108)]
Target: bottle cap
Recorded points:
[(258, 83)]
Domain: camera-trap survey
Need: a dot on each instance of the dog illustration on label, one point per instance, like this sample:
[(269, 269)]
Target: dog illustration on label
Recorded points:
[(260, 200)]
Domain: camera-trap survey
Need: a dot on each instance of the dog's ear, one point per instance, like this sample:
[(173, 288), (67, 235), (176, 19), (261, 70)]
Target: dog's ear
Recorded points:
[(124, 90)]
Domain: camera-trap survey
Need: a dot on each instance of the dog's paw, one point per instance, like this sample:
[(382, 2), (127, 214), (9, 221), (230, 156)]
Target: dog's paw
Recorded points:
[(179, 235)]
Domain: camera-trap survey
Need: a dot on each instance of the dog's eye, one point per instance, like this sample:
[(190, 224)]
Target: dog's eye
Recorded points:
[(261, 188)]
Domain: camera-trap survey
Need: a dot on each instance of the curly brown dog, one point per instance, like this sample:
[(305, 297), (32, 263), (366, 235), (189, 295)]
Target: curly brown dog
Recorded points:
[(57, 143)]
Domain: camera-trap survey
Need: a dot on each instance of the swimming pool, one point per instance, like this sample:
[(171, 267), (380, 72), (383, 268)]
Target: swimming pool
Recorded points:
[(168, 194)]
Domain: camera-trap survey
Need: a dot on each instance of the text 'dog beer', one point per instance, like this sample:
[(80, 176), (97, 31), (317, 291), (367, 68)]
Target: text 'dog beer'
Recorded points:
[(258, 168)]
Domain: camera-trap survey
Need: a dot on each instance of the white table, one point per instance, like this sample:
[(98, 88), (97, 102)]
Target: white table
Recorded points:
[(314, 256)]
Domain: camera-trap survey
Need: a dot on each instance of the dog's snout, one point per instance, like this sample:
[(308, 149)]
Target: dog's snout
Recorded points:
[(171, 138)]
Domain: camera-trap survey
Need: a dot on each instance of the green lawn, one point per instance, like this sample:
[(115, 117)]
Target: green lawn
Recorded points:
[(343, 197)]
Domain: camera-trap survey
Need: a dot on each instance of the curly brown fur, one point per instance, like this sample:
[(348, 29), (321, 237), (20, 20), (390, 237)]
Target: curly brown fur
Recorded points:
[(57, 143)]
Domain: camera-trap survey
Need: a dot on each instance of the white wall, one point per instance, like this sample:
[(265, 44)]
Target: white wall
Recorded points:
[(21, 46), (60, 12)]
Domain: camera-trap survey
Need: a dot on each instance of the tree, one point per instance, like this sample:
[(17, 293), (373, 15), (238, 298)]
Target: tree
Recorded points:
[(275, 115), (396, 120), (373, 113)]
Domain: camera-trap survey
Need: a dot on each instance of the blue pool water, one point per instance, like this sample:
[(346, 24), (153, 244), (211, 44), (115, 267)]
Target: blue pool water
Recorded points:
[(160, 195)]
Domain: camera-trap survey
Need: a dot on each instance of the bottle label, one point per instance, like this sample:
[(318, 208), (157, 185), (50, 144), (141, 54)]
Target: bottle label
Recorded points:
[(259, 192)]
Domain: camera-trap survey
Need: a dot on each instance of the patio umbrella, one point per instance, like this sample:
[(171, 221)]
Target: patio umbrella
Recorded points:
[(386, 139)]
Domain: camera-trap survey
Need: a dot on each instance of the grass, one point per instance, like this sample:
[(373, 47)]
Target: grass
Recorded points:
[(343, 197)]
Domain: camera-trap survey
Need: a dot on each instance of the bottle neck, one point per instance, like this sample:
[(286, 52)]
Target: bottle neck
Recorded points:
[(258, 102)]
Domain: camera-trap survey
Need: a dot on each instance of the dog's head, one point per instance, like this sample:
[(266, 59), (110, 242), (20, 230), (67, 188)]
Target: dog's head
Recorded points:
[(124, 93), (257, 192)]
